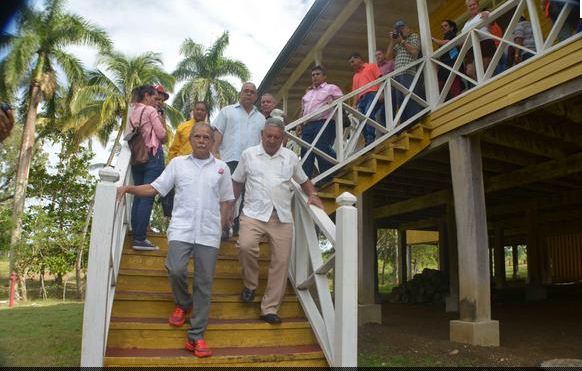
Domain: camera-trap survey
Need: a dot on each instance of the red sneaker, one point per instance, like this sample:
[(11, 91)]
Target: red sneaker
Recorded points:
[(199, 348), (178, 318)]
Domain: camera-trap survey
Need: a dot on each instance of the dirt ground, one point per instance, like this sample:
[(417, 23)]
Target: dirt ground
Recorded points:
[(531, 333)]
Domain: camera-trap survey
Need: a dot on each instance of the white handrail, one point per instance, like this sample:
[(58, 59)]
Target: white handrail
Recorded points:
[(332, 320), (334, 325), (347, 145), (108, 230)]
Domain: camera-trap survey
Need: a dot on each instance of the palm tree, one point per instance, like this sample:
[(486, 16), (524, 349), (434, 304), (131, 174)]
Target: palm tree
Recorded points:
[(104, 101), (35, 54), (204, 72)]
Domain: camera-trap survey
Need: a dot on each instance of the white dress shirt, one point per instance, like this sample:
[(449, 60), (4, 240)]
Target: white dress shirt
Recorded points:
[(200, 187), (268, 182), (240, 130)]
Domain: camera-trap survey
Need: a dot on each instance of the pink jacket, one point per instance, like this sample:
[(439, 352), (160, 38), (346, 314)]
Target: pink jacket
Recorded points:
[(152, 129)]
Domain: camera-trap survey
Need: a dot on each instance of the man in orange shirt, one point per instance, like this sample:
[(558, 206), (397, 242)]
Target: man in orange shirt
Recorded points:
[(364, 74)]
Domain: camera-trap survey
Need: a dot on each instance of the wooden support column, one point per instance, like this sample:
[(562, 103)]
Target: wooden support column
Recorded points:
[(452, 300), (403, 261), (317, 57), (515, 261), (430, 71), (443, 248), (369, 311), (475, 325), (371, 27), (285, 99), (499, 254), (535, 290)]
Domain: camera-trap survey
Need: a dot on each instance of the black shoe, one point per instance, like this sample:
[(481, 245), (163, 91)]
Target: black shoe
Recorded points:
[(271, 318), (247, 295)]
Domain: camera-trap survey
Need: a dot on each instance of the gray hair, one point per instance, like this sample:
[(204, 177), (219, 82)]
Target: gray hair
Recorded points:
[(201, 125), (276, 122)]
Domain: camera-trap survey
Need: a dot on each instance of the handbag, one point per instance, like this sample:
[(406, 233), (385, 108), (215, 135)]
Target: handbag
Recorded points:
[(139, 151)]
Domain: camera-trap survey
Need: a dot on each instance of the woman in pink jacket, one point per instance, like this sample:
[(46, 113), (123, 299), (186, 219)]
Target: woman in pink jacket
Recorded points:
[(145, 115)]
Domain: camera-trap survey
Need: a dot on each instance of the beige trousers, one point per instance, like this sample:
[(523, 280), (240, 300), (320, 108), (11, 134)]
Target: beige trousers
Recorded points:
[(280, 237)]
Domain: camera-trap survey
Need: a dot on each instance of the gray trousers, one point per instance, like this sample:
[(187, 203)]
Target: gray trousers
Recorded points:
[(179, 254)]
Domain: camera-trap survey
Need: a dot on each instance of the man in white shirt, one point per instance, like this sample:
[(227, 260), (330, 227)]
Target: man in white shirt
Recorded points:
[(203, 206), (238, 127), (266, 170)]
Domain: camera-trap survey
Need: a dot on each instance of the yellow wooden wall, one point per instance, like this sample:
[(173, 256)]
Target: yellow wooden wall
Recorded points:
[(556, 68), (565, 254)]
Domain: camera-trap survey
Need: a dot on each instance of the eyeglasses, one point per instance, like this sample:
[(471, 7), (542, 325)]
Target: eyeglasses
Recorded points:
[(316, 73)]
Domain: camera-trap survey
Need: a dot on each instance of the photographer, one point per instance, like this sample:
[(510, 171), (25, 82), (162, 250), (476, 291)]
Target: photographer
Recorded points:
[(404, 48), (6, 121)]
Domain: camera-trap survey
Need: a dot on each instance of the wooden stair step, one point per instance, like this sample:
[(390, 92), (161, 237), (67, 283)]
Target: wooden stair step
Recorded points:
[(157, 281), (364, 170), (290, 356), (140, 304), (157, 333), (343, 181), (227, 248), (382, 158), (224, 264)]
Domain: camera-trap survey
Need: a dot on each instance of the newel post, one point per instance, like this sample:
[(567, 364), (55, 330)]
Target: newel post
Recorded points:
[(95, 309), (346, 283)]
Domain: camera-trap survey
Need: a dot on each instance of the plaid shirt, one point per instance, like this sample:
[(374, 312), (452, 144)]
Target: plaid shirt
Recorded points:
[(402, 57)]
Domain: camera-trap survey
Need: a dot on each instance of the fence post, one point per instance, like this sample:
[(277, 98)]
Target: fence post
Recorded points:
[(98, 276), (345, 352), (430, 71)]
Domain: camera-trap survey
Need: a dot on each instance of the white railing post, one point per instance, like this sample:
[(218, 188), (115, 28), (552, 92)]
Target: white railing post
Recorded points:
[(98, 269), (536, 27), (346, 283), (430, 71), (371, 29)]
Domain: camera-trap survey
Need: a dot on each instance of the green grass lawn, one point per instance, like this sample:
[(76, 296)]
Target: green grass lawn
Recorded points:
[(45, 333)]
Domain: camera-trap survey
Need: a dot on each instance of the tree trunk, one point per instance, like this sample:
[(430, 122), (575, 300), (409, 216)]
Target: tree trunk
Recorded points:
[(42, 293), (24, 161), (383, 268), (81, 249), (22, 286), (117, 141)]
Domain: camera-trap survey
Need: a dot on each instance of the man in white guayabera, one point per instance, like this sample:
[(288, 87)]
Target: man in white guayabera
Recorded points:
[(266, 170), (202, 207)]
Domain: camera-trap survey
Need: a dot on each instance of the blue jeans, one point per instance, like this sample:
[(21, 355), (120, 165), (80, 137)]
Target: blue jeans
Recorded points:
[(412, 108), (142, 206), (363, 106), (325, 143)]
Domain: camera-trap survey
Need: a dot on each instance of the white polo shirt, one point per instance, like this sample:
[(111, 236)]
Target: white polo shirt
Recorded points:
[(240, 130), (200, 187), (268, 182)]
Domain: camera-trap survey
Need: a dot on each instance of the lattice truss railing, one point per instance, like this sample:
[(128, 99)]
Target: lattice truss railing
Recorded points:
[(469, 42), (348, 123)]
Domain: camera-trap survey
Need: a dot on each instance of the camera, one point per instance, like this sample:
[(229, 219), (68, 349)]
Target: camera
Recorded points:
[(5, 107), (395, 34)]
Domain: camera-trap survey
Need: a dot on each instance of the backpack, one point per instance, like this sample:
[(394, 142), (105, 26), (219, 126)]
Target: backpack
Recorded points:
[(139, 151)]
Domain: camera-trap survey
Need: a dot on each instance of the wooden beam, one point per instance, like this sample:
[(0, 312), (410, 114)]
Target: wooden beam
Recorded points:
[(419, 203), (523, 143), (347, 11), (536, 173), (553, 127)]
